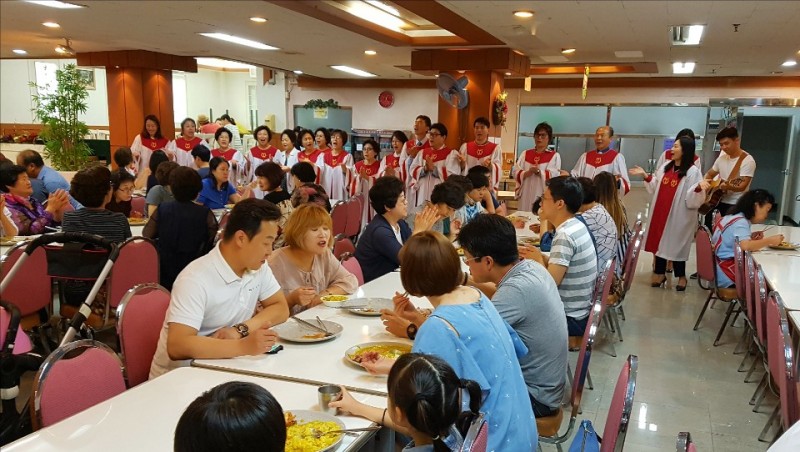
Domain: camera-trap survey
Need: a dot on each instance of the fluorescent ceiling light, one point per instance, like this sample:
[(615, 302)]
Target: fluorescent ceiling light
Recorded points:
[(298, 72), (240, 41), (383, 6), (354, 71), (224, 64), (370, 52), (524, 14), (789, 63), (568, 51), (51, 25), (55, 4), (686, 35), (20, 52), (682, 68), (377, 16), (260, 20)]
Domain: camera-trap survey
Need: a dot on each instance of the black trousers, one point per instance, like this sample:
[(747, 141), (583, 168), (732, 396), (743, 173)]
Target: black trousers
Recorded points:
[(679, 267)]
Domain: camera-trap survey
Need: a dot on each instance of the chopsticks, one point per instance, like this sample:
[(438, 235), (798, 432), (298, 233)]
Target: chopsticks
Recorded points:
[(311, 325)]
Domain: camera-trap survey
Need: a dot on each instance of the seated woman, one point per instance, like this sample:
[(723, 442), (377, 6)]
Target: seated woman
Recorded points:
[(752, 208), (599, 222), (161, 192), (29, 217), (424, 403), (122, 183), (305, 190), (92, 188), (233, 416), (217, 190), (466, 330), (605, 186), (269, 176), (379, 244), (182, 230), (306, 268)]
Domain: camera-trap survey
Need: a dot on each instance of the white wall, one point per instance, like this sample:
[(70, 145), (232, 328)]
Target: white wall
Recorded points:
[(218, 91), (272, 99)]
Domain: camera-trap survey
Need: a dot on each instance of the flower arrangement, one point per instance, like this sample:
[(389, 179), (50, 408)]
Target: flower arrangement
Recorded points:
[(319, 103), (500, 110)]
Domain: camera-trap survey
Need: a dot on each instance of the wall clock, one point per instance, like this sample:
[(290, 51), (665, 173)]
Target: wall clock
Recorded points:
[(386, 99)]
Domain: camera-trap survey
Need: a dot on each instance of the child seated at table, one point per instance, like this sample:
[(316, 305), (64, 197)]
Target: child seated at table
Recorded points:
[(448, 199), (424, 403), (233, 416)]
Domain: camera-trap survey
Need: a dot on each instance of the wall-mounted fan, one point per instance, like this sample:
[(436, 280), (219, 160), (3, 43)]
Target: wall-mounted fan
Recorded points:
[(453, 91)]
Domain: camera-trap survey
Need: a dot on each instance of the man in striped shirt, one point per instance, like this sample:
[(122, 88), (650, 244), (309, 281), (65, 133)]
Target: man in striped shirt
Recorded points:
[(572, 262)]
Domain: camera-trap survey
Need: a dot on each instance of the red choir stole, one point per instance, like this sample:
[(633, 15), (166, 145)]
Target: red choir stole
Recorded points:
[(154, 143), (182, 143), (480, 151), (227, 155), (438, 155), (392, 161), (334, 160), (303, 157), (371, 170), (263, 154), (596, 159), (536, 158)]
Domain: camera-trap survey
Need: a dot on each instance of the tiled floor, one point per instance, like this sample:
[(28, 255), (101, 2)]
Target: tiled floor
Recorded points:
[(684, 383)]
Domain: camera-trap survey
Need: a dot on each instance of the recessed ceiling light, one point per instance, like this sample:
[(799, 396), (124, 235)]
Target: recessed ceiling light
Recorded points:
[(240, 41), (19, 52), (682, 68), (508, 73), (260, 20), (298, 71), (51, 25), (525, 14), (224, 64), (370, 52), (686, 35), (789, 63), (354, 71), (55, 4), (568, 51)]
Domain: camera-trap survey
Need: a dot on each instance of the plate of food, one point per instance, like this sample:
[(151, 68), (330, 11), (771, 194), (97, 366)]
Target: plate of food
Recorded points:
[(519, 222), (292, 331), (370, 307), (304, 430), (371, 351), (785, 246), (137, 221), (13, 240), (529, 241), (334, 301)]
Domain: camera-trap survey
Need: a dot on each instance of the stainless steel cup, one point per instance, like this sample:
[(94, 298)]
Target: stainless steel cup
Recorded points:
[(326, 395)]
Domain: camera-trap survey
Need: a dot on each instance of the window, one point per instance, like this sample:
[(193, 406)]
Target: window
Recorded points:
[(179, 102)]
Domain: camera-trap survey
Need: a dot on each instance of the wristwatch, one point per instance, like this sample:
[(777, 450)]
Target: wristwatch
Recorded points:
[(411, 331), (242, 329)]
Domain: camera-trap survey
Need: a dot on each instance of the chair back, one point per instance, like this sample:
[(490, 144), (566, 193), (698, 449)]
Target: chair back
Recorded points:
[(685, 443), (584, 355), (9, 326), (354, 210), (603, 282), (74, 377), (637, 228), (339, 218), (31, 288), (138, 204), (739, 273), (140, 318), (781, 354), (477, 437), (635, 248), (760, 293), (351, 264), (619, 414), (223, 220), (343, 247), (706, 263), (137, 264)]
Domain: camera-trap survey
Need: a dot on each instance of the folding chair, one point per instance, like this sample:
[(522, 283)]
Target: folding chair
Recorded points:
[(140, 318), (352, 265), (707, 271), (339, 218), (619, 414), (343, 247)]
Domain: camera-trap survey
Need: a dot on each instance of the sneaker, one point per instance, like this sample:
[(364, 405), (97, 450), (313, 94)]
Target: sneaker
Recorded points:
[(693, 275)]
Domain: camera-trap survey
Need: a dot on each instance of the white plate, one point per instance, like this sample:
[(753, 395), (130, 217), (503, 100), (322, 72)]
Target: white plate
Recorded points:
[(352, 350), (293, 331), (373, 308), (304, 416)]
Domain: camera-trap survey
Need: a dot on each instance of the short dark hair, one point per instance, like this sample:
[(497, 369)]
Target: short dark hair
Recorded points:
[(400, 135), (90, 185), (212, 166), (163, 171), (374, 144), (156, 158), (304, 171), (440, 127), (220, 131), (228, 118), (272, 172), (123, 157), (567, 189), (429, 265), (490, 235), (481, 120), (450, 194), (342, 134), (236, 415), (153, 118), (292, 136), (548, 129), (301, 134), (477, 179), (119, 177), (385, 193), (479, 169), (185, 184), (589, 192), (325, 133), (746, 205), (9, 175), (202, 152), (248, 214), (728, 132), (685, 133), (30, 156), (425, 119), (259, 129), (461, 182)]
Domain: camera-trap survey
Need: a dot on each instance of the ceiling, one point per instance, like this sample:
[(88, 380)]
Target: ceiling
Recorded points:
[(767, 33)]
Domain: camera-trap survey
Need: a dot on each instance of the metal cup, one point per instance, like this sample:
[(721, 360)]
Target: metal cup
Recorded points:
[(326, 395)]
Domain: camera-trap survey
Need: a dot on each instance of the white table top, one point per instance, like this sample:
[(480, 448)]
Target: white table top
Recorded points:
[(782, 267), (144, 418), (794, 317), (329, 366), (531, 219)]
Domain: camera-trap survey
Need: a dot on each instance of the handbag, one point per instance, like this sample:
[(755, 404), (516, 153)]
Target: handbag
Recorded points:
[(586, 439)]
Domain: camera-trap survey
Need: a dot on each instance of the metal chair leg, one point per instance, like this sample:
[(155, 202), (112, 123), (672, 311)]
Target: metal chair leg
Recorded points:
[(703, 311), (608, 323), (758, 388), (761, 396), (615, 319), (742, 341), (771, 421), (558, 447), (724, 322), (747, 352), (589, 383), (621, 312), (752, 367)]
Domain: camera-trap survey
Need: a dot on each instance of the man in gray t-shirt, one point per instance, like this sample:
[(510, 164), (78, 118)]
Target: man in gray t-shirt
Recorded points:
[(527, 298)]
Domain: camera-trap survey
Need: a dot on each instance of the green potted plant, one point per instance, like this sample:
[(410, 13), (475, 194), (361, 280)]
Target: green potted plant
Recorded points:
[(63, 134)]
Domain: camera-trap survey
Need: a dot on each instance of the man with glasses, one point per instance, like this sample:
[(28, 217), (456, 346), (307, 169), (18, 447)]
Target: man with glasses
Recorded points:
[(535, 167), (603, 158), (572, 262), (480, 152), (527, 298)]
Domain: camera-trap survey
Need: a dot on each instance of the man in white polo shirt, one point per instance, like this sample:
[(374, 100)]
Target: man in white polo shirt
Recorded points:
[(213, 309)]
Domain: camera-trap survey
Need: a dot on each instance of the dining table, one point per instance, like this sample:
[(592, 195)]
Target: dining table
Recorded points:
[(782, 267), (144, 417)]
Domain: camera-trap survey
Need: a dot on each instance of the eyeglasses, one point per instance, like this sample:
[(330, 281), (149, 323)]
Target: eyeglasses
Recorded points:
[(466, 261), (434, 134), (542, 135)]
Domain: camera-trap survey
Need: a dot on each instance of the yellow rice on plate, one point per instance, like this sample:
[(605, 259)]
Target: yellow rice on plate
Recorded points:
[(300, 436)]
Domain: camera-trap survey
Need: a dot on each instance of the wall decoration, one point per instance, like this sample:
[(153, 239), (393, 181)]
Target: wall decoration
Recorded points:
[(500, 109), (87, 74)]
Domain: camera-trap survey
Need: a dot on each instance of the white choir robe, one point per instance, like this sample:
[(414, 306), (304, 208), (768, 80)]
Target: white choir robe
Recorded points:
[(182, 149), (335, 181), (533, 186), (361, 185), (258, 156), (592, 163), (144, 147), (236, 161), (451, 164), (486, 154), (682, 220), (290, 161), (312, 159), (666, 156), (398, 163), (422, 182), (411, 194)]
